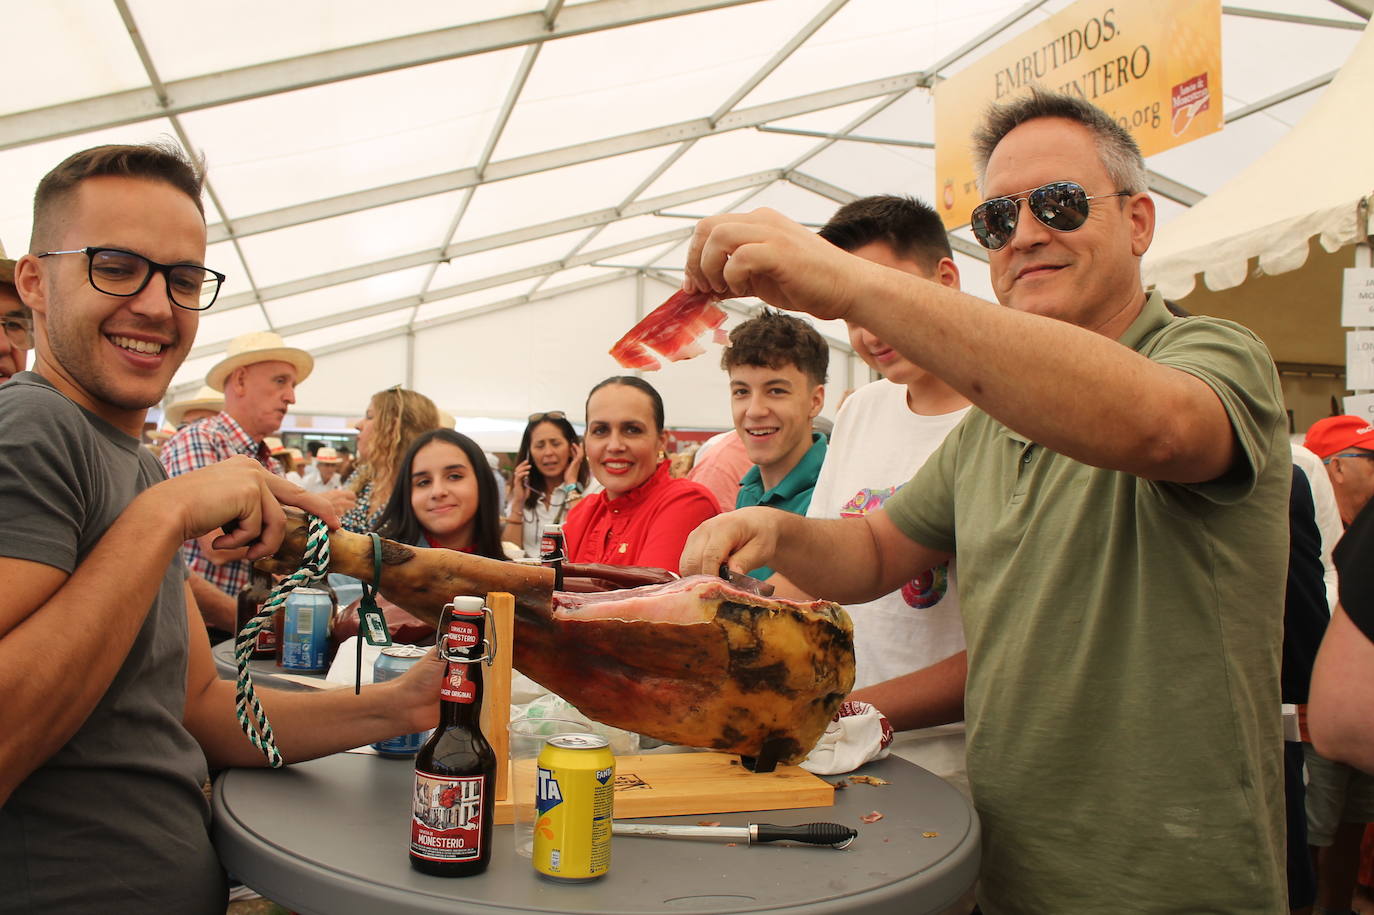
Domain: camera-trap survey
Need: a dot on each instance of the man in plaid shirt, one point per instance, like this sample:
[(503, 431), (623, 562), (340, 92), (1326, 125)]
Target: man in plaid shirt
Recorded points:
[(258, 378)]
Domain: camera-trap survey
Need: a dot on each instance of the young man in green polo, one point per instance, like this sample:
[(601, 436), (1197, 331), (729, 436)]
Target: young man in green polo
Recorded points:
[(777, 365)]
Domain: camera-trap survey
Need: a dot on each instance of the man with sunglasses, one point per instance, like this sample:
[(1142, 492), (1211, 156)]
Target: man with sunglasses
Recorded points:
[(1118, 499), (113, 712), (17, 337)]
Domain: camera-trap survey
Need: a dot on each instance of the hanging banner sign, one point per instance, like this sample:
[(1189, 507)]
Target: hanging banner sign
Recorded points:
[(1359, 360), (1361, 405), (1357, 297), (1154, 67)]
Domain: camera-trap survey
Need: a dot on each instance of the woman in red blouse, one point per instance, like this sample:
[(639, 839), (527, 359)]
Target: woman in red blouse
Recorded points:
[(642, 517)]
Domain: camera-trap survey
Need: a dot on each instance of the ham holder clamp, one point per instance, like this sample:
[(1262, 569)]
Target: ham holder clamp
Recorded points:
[(694, 661)]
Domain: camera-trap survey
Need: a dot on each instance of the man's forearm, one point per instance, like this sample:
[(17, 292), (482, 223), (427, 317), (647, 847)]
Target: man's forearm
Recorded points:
[(217, 608), (1054, 382), (923, 698), (307, 724)]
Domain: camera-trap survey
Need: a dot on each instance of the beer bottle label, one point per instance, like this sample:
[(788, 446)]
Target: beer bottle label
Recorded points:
[(446, 823)]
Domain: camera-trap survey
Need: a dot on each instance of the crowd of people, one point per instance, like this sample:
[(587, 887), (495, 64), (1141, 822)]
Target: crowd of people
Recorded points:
[(1084, 562)]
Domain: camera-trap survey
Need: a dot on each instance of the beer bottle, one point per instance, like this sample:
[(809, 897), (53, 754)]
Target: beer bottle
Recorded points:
[(455, 771), (553, 552), (251, 599)]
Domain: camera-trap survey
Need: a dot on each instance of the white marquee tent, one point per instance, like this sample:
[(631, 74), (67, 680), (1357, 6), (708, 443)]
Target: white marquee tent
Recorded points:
[(476, 199)]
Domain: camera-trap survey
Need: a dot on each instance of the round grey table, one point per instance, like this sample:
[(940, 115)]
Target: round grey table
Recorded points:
[(330, 837)]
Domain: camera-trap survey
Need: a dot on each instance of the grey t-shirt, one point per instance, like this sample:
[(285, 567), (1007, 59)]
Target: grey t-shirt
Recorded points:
[(114, 821)]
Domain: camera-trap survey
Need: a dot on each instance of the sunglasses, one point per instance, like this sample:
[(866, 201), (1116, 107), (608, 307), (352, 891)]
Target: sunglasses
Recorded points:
[(1059, 205), (552, 414)]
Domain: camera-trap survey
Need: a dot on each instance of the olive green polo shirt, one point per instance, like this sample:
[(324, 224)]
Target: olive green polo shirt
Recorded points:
[(1124, 741), (793, 492)]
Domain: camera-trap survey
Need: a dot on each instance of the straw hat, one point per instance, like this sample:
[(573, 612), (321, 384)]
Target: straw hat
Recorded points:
[(274, 445), (6, 267), (207, 398), (161, 434), (327, 455), (260, 346)]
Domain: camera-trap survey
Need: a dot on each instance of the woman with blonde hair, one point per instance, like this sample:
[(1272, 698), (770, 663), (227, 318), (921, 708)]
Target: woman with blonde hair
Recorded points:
[(394, 419)]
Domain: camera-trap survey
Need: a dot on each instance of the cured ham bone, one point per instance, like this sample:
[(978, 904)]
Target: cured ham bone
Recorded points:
[(696, 661), (673, 330)]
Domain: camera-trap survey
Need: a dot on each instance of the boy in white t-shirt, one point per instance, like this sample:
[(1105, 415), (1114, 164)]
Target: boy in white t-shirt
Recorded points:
[(913, 637)]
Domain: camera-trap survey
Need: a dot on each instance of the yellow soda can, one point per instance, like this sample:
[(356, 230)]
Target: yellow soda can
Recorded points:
[(573, 803)]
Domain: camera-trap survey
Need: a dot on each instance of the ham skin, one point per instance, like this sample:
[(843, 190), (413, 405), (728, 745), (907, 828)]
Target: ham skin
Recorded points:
[(695, 661)]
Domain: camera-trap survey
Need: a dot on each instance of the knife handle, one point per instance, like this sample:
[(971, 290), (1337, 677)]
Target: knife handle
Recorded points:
[(809, 833)]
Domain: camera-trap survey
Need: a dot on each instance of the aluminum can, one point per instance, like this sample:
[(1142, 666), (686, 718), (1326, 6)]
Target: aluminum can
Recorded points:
[(391, 663), (574, 803), (305, 630)]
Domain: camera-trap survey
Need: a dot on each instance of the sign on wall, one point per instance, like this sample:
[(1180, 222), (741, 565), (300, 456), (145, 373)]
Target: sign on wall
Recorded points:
[(1359, 360), (1154, 67), (1357, 297)]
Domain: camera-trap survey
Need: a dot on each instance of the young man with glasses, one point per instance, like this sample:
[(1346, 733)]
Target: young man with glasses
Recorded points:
[(113, 711), (1118, 500), (16, 321)]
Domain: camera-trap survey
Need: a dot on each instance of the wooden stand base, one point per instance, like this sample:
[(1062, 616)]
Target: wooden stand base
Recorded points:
[(673, 784)]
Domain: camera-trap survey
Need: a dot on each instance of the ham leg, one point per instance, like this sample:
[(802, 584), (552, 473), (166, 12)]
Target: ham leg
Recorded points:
[(696, 661)]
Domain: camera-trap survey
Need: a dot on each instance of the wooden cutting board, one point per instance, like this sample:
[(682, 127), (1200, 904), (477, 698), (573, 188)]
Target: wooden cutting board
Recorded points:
[(673, 784)]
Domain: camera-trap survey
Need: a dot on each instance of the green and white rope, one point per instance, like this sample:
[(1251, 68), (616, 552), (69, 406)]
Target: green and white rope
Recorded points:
[(314, 566)]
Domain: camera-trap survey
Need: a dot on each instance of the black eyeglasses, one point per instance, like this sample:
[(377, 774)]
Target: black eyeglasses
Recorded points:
[(18, 330), (1060, 205), (552, 414), (115, 271)]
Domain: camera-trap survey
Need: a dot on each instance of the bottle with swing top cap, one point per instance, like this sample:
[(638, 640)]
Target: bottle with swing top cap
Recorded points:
[(455, 771)]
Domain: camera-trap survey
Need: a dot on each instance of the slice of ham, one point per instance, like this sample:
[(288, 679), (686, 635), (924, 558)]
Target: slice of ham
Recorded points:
[(673, 329)]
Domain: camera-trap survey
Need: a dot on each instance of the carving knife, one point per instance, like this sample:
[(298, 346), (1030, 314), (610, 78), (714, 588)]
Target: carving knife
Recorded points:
[(832, 834)]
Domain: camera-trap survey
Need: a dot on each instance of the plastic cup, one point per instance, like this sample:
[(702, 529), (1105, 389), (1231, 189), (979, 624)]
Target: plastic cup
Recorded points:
[(527, 737)]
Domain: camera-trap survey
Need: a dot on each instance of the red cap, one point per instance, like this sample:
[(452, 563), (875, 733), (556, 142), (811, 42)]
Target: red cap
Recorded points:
[(1337, 433)]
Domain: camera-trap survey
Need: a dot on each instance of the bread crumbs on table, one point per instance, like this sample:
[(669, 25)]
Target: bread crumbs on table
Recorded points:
[(873, 817), (868, 780), (929, 835)]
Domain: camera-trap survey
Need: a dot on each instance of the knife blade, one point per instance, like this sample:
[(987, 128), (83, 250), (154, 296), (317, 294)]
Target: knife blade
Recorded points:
[(832, 834)]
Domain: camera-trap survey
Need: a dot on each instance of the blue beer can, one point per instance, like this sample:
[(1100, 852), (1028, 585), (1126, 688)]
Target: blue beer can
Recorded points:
[(305, 630), (391, 663)]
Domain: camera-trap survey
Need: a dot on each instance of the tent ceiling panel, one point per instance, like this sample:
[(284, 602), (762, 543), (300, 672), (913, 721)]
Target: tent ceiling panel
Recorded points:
[(870, 39), (641, 68), (216, 330), (1208, 163), (1250, 49), (584, 274), (350, 330), (459, 303), (362, 133), (545, 196), (466, 363), (224, 257), (333, 300), (343, 382), (826, 120), (798, 203), (267, 30), (331, 244), (68, 51), (866, 168), (717, 157), (500, 260), (911, 117), (644, 226), (24, 167)]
